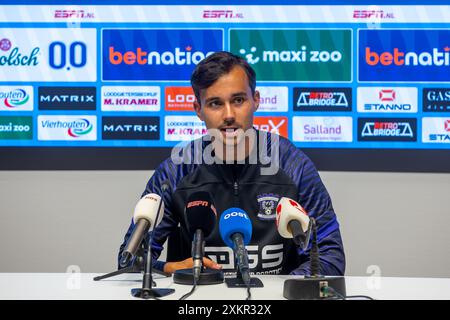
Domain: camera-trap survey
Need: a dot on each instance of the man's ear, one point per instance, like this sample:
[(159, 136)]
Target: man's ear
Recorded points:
[(256, 98), (198, 110)]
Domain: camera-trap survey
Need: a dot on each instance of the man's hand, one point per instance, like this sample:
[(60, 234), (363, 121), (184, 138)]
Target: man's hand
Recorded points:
[(171, 267)]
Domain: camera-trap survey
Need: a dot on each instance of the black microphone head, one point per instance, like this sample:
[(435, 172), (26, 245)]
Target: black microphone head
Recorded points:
[(200, 213)]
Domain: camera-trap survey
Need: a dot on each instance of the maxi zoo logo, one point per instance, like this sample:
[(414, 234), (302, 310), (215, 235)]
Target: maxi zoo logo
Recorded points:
[(295, 55)]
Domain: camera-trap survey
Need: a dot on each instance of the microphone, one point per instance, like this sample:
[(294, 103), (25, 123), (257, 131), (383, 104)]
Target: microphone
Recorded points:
[(293, 222), (236, 231), (145, 218), (200, 215)]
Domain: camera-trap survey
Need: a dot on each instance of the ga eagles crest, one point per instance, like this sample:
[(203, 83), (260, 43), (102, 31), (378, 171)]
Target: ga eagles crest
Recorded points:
[(267, 204)]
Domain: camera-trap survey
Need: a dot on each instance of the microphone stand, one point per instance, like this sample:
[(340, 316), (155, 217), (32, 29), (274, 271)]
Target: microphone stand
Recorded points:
[(147, 292), (314, 286)]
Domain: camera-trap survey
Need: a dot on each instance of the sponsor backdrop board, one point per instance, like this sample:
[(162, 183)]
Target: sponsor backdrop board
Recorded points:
[(354, 80)]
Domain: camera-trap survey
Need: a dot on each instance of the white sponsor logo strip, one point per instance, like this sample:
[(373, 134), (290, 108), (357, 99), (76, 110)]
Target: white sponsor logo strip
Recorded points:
[(139, 98), (273, 99), (322, 129), (183, 128), (67, 128), (16, 98), (436, 130), (387, 99)]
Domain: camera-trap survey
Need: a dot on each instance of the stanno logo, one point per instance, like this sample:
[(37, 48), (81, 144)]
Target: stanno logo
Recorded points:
[(436, 130), (398, 99)]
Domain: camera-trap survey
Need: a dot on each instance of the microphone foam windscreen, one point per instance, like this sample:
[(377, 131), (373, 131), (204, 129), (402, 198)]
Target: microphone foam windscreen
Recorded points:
[(235, 220), (200, 213), (288, 210), (147, 208)]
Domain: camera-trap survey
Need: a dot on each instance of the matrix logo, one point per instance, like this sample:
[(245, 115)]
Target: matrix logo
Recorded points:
[(67, 98), (16, 128), (295, 55), (16, 98), (130, 128), (322, 99), (59, 128), (387, 129), (381, 99), (436, 100), (322, 129), (131, 98), (151, 54), (404, 55), (436, 130)]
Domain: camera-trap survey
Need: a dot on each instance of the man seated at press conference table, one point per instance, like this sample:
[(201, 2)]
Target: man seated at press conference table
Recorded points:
[(226, 100)]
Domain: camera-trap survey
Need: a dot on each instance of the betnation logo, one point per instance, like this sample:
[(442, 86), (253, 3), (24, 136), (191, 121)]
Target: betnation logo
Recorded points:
[(180, 56), (437, 57)]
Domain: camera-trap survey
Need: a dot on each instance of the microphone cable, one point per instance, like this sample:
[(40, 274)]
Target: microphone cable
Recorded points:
[(190, 292)]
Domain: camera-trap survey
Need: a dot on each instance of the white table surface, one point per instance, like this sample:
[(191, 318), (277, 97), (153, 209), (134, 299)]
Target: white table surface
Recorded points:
[(69, 286)]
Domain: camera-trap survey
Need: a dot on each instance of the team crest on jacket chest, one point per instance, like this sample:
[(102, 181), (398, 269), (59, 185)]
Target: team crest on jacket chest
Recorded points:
[(267, 203)]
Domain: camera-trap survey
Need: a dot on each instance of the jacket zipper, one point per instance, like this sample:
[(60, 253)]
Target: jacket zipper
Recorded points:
[(236, 193)]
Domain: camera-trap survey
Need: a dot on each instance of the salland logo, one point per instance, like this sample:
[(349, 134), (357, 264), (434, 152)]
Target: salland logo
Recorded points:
[(130, 98), (435, 130), (267, 203), (156, 54), (222, 14), (18, 98), (436, 99), (295, 55), (183, 128), (273, 99), (387, 99), (48, 54), (322, 99), (277, 125), (179, 99), (67, 98), (67, 128), (16, 128), (387, 129), (404, 55), (322, 129), (130, 128)]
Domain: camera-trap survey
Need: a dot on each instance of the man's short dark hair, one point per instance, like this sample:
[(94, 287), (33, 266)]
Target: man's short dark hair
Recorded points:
[(216, 65)]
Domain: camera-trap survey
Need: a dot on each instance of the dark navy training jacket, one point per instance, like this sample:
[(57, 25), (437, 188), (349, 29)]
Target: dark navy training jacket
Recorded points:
[(244, 186)]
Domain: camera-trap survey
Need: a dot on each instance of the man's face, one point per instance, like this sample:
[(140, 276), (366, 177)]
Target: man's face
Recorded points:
[(228, 105)]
